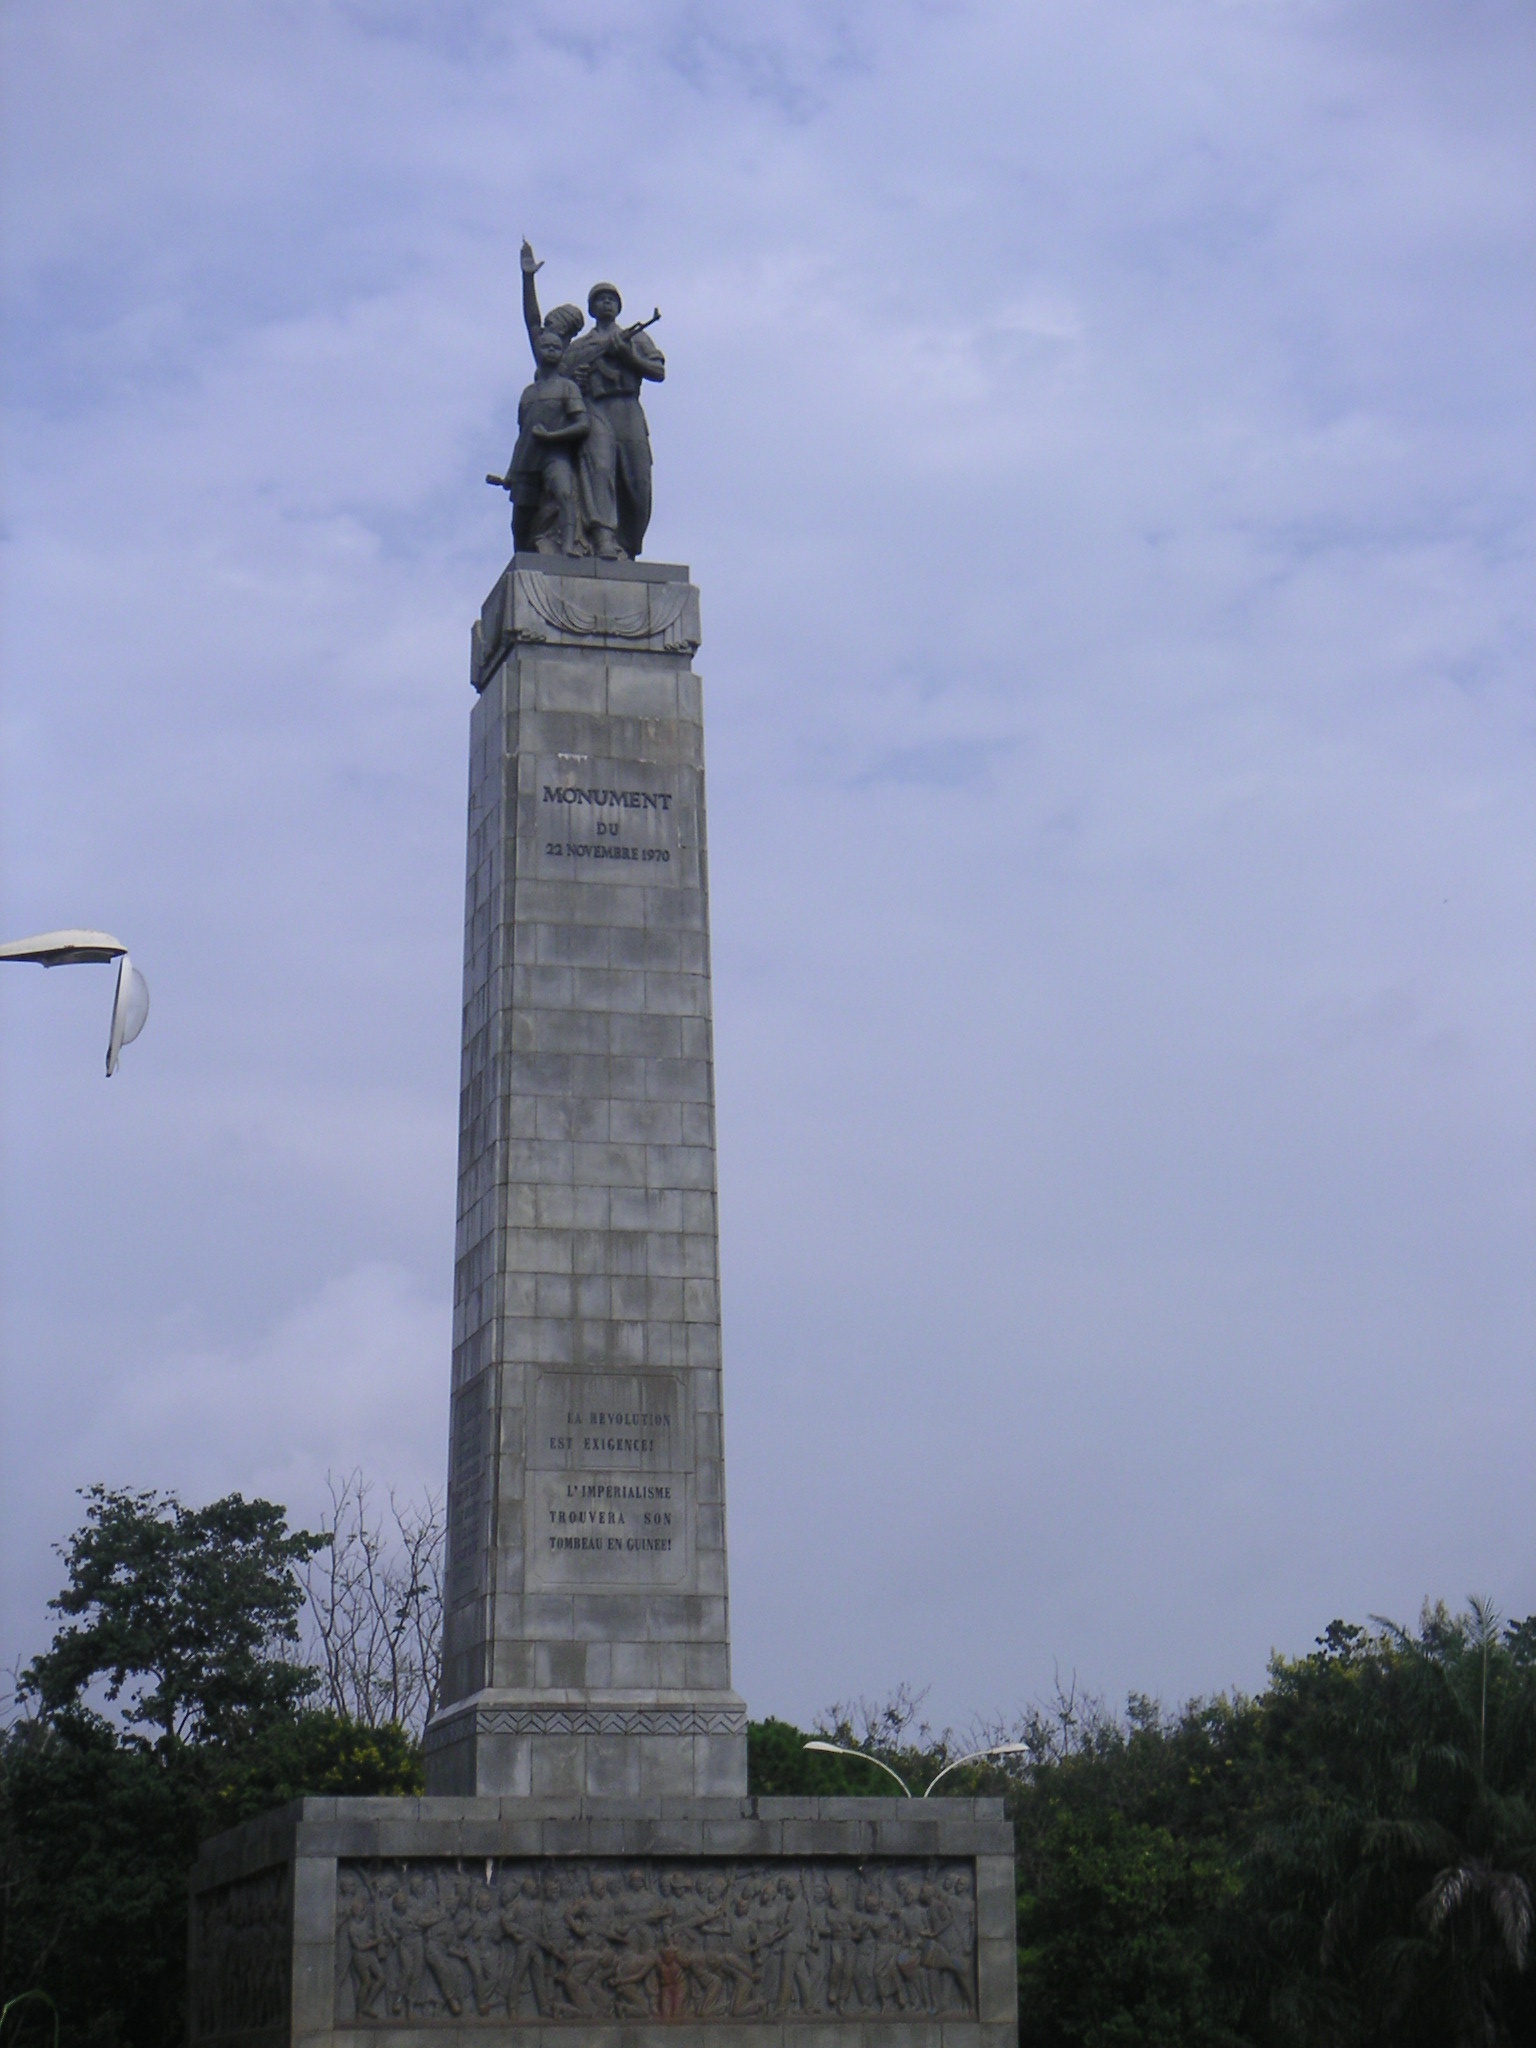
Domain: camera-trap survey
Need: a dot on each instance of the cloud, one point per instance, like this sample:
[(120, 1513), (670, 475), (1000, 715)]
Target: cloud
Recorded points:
[(1102, 440), (349, 1377)]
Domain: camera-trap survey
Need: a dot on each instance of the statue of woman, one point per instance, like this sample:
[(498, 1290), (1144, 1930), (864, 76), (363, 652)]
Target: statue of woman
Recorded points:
[(608, 364)]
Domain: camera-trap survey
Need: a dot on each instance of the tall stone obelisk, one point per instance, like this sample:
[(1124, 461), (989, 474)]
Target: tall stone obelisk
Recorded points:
[(587, 1646), (588, 1862)]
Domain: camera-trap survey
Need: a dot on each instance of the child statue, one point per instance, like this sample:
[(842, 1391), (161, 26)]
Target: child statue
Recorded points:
[(552, 422)]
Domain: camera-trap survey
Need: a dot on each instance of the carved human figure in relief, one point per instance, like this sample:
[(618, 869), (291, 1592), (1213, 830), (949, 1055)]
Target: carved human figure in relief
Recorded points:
[(365, 1949), (430, 1942), (797, 1977), (639, 1912), (481, 1948), (942, 1967), (522, 1922), (426, 1948), (608, 364), (745, 1955), (589, 1967), (555, 1942)]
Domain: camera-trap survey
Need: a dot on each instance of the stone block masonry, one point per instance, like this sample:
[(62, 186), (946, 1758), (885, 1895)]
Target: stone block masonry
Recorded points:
[(768, 1923), (586, 1867), (587, 1641)]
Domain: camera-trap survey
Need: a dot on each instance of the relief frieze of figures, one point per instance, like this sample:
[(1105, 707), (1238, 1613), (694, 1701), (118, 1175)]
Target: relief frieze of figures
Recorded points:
[(243, 1935), (432, 1939)]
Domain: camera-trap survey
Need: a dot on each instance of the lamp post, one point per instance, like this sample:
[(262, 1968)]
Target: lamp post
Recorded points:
[(971, 1757), (130, 1004)]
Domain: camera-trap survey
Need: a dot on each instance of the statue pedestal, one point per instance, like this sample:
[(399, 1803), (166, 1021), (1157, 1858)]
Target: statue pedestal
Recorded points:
[(587, 1865), (760, 1923), (586, 1643)]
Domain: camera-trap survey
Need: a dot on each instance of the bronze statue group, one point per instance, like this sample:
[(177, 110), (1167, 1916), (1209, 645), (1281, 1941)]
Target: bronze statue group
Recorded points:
[(588, 1942), (580, 475)]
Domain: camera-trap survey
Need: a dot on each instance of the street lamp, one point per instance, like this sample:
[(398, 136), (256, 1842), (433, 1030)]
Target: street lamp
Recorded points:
[(130, 1005), (972, 1757)]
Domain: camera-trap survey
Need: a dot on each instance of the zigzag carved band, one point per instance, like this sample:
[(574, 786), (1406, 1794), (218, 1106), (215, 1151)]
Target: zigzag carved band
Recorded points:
[(523, 1720)]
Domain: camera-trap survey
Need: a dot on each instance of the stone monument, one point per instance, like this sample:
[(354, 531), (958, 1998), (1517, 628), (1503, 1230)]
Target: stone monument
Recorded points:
[(586, 1645), (588, 1865)]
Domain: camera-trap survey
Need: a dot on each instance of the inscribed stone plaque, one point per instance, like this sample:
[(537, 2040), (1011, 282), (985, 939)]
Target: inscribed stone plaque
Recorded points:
[(609, 1480), (617, 820)]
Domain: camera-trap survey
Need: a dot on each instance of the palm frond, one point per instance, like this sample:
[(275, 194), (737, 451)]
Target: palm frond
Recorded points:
[(1488, 1622), (1450, 1891), (1508, 1897), (1509, 1901), (1410, 1835)]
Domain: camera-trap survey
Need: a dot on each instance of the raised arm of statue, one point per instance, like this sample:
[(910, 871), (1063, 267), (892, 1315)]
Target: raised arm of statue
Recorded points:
[(532, 319)]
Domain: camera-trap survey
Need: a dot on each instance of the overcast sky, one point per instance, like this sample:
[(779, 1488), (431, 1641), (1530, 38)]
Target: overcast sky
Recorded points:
[(1101, 431)]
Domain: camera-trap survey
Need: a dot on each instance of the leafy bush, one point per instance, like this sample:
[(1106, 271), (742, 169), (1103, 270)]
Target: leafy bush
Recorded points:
[(166, 1710)]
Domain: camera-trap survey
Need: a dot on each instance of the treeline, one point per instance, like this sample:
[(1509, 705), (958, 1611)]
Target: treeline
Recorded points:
[(1347, 1859)]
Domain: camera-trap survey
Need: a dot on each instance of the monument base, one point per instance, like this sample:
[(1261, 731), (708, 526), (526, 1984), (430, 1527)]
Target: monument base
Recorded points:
[(762, 1923), (587, 1744)]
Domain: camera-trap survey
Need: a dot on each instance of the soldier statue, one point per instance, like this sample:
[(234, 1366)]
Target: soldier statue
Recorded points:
[(580, 478)]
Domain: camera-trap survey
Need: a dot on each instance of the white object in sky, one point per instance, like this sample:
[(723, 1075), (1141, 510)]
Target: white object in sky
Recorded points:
[(130, 1005)]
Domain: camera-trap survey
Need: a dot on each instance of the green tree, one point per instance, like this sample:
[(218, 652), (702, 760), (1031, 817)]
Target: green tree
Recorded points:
[(96, 1841), (1127, 1832), (183, 1618), (318, 1755), (779, 1765), (1392, 1871), (1115, 1947), (188, 1609)]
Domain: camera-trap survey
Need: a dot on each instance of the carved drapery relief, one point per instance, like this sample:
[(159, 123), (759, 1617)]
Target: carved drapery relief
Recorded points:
[(243, 1956), (603, 611), (531, 605), (585, 1940)]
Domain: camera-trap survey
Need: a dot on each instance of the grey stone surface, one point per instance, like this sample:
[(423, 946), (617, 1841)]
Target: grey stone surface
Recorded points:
[(586, 1639), (615, 1923), (588, 1730)]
